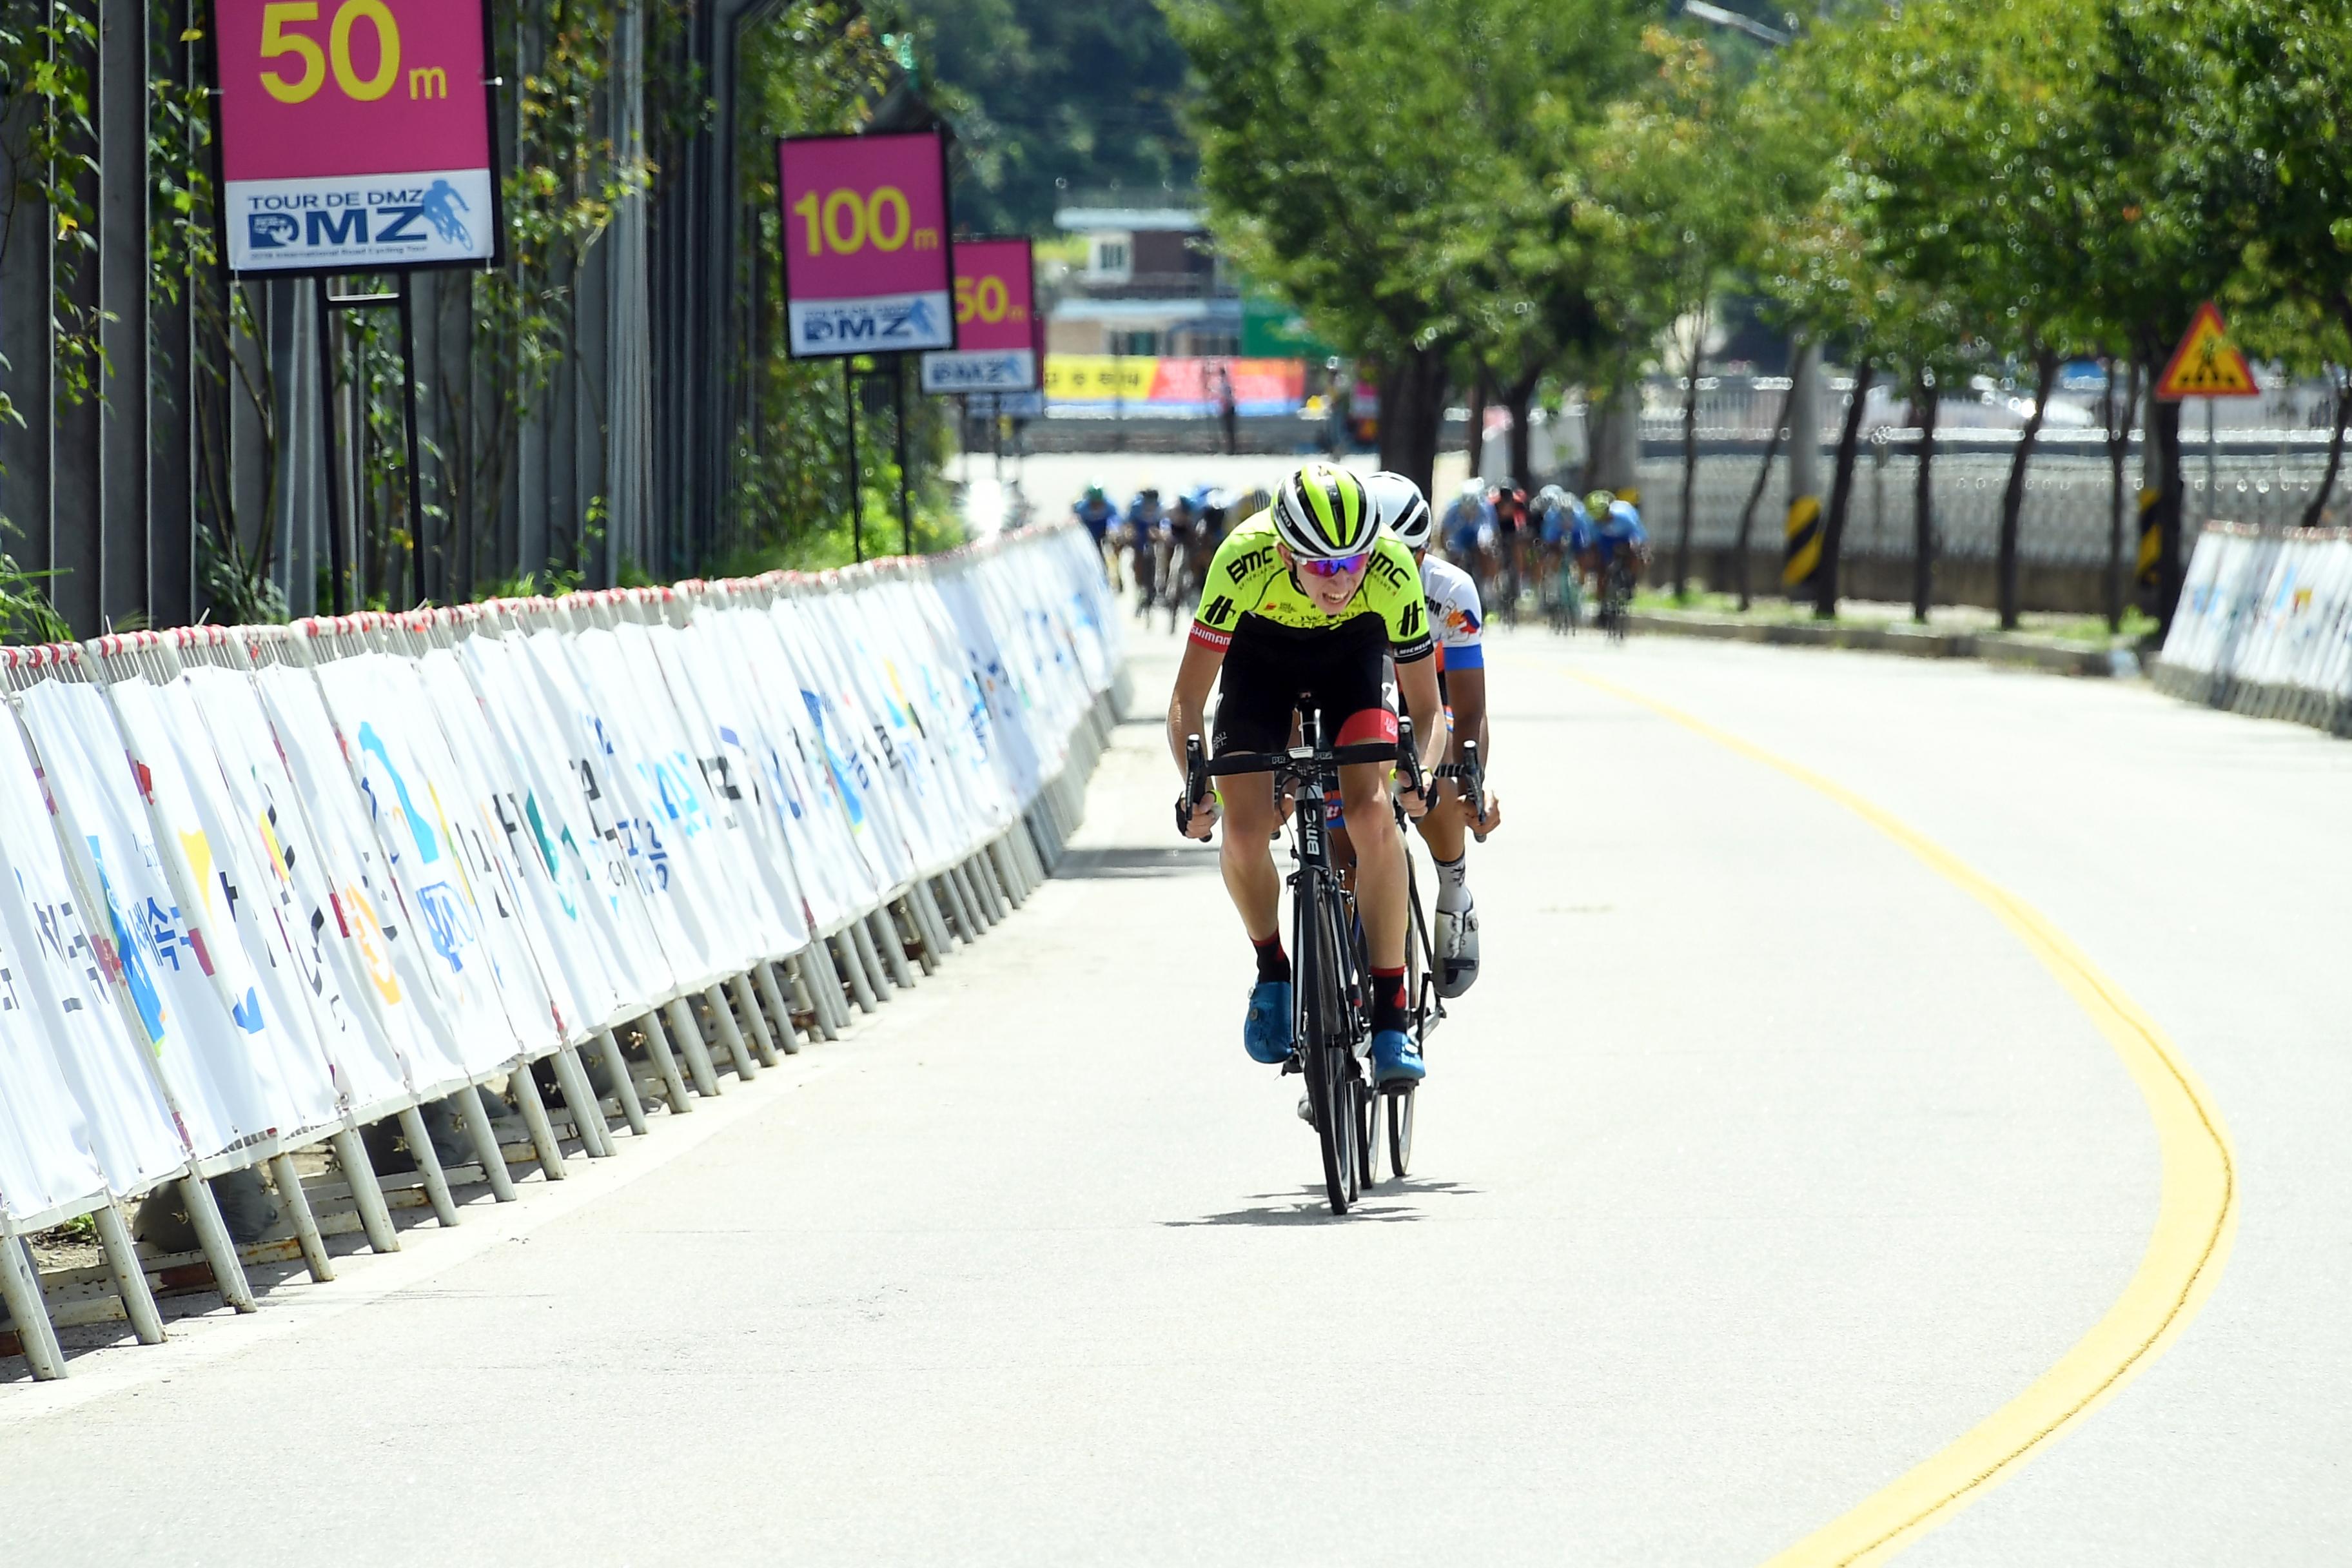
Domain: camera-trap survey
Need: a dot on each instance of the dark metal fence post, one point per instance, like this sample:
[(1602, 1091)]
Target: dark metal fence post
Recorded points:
[(338, 557), (856, 497), (898, 427), (416, 466)]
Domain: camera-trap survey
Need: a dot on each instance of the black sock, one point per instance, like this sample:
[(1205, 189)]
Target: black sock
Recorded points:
[(1388, 999), (1272, 963)]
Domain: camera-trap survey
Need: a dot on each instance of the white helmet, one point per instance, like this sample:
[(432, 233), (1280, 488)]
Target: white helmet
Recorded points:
[(1403, 510), (1323, 513)]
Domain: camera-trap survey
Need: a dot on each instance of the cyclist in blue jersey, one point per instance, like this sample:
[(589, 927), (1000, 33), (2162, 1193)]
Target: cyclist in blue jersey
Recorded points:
[(1614, 548), (1469, 525), (1095, 510)]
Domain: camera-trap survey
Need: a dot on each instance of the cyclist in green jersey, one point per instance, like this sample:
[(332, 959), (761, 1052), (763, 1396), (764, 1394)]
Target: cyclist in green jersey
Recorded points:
[(1301, 603)]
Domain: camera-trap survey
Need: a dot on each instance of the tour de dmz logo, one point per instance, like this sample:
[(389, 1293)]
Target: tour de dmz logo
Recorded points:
[(313, 220), (910, 320)]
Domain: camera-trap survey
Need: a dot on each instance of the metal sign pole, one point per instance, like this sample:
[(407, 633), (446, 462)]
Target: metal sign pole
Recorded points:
[(338, 561), (856, 501), (415, 468), (898, 435)]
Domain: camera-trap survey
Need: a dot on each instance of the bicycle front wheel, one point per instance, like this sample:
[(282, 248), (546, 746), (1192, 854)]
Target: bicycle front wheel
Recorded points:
[(1324, 1042)]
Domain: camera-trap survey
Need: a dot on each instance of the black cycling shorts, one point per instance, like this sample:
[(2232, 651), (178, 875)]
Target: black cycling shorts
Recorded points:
[(1272, 672)]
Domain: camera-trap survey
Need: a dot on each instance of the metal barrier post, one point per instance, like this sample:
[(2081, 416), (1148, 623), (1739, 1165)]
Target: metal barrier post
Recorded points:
[(534, 1117), (375, 1218), (428, 1165), (624, 1085), (305, 1223), (772, 995), (212, 1237), (130, 1275), (666, 1063), (20, 1291), (579, 1098), (731, 1034), (747, 1001), (691, 1041), (486, 1147)]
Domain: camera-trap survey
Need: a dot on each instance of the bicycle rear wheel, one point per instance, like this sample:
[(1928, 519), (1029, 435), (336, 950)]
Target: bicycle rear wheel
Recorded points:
[(1399, 1120)]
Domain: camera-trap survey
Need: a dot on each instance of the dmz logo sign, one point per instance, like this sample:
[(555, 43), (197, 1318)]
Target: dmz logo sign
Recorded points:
[(342, 220), (908, 323)]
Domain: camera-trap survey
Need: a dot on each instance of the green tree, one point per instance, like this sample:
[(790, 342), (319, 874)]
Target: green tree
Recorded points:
[(1402, 173), (1664, 211), (1048, 96)]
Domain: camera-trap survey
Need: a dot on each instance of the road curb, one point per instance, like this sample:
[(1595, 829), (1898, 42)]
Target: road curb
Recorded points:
[(2047, 654)]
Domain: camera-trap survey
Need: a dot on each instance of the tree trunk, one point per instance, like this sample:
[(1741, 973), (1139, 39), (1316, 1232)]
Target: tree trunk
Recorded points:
[(1926, 403), (1475, 444), (1755, 493), (2119, 426), (1825, 593), (1516, 398), (2317, 510), (1413, 415), (2013, 499), (1690, 455)]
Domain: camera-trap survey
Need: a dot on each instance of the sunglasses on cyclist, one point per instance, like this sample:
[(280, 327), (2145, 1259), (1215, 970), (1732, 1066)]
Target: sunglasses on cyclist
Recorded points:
[(1339, 566)]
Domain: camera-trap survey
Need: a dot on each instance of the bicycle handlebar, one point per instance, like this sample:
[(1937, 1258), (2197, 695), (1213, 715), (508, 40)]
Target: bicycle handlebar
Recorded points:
[(1297, 762)]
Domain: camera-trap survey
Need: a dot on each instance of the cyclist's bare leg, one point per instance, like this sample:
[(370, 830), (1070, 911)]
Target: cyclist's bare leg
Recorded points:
[(1380, 861), (1442, 825), (1245, 853)]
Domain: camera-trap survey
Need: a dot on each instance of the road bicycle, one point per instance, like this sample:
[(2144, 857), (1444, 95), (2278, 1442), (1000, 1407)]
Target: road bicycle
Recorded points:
[(1331, 973), (1616, 597)]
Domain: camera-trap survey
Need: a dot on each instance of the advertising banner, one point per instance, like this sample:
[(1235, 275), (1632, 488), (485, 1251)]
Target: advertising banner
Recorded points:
[(354, 135), (1099, 382), (996, 325), (867, 266), (52, 984)]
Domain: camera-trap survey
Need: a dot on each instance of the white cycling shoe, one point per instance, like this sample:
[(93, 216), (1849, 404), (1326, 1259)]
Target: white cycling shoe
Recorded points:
[(1457, 951)]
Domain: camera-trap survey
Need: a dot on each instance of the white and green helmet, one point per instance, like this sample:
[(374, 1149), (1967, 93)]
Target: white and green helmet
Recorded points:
[(1322, 512)]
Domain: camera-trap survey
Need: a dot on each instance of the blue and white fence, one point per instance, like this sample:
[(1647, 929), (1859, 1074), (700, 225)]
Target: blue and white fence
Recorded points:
[(2264, 625), (262, 888)]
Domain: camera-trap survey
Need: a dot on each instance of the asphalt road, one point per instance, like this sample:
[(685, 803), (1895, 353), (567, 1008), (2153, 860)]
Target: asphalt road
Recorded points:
[(1763, 1163)]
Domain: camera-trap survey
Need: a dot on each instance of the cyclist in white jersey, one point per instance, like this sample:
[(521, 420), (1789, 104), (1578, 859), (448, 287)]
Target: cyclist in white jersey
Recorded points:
[(1456, 621)]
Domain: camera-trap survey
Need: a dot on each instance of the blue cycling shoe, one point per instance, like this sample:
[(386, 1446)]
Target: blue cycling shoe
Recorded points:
[(1267, 1030), (1395, 1058)]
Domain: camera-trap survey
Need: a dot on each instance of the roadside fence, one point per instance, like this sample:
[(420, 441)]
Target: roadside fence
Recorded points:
[(380, 903), (2264, 625)]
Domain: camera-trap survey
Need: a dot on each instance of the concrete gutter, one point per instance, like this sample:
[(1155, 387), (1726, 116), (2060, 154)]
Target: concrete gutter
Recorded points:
[(2025, 651)]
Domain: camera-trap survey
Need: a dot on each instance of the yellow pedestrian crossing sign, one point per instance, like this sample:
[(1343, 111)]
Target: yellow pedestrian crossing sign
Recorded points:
[(2207, 363)]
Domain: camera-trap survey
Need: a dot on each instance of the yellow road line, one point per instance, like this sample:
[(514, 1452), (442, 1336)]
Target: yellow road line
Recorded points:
[(2196, 1215)]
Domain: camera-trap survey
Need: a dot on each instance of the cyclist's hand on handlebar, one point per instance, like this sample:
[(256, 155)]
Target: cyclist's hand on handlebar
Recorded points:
[(1490, 816), (1415, 804), (1200, 820)]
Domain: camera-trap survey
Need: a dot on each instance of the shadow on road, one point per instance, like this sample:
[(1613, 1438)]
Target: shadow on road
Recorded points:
[(1390, 1202), (1120, 864)]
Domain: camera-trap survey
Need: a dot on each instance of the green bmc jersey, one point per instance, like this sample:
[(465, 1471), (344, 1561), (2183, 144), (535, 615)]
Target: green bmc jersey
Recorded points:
[(1248, 581)]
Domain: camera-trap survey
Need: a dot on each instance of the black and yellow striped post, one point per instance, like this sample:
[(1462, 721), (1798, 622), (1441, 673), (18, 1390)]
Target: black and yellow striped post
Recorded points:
[(2151, 541), (1802, 559)]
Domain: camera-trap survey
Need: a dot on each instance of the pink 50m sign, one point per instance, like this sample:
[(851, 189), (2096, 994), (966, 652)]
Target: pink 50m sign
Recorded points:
[(354, 135), (865, 248)]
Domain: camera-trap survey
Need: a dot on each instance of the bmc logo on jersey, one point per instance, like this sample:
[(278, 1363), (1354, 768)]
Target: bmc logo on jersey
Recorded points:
[(1388, 571), (1254, 561)]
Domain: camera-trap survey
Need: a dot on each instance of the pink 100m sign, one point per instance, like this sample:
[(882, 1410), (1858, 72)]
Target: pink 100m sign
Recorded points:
[(866, 247), (354, 135)]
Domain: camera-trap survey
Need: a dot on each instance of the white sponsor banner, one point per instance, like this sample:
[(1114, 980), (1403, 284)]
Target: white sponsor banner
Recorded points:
[(234, 1076), (884, 323), (393, 220), (612, 806), (58, 1005), (835, 880), (343, 961), (734, 757), (981, 370), (674, 818), (387, 938), (581, 994), (478, 964), (615, 932), (225, 855)]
